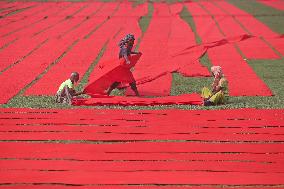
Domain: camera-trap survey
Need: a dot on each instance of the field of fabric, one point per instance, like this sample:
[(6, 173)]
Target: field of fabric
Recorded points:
[(87, 148), (42, 43), (163, 139)]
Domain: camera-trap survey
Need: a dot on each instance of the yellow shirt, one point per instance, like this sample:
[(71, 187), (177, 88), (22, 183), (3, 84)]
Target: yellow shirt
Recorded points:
[(68, 83)]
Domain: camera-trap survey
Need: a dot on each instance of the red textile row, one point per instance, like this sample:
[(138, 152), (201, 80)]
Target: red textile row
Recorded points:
[(254, 26), (127, 24), (205, 156), (27, 42), (192, 99), (28, 186), (227, 56), (5, 10), (94, 44), (125, 134), (127, 166), (277, 4), (122, 178), (254, 48), (92, 151), (28, 69)]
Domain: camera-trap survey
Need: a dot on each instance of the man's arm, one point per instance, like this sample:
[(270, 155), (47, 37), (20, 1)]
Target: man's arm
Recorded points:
[(133, 52), (216, 89), (78, 93)]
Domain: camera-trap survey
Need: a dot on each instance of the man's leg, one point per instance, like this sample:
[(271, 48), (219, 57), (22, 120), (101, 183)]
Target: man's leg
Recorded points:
[(58, 98), (205, 93), (134, 88), (113, 86), (63, 96)]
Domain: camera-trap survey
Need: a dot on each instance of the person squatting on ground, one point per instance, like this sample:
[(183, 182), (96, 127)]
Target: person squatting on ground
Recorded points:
[(126, 45), (219, 88), (66, 90)]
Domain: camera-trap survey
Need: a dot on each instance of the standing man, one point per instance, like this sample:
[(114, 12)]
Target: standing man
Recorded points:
[(126, 45)]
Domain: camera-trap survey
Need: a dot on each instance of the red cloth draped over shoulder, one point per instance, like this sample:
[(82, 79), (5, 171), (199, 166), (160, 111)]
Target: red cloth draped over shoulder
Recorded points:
[(108, 72)]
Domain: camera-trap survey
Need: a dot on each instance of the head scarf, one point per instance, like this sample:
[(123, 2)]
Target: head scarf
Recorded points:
[(126, 39), (217, 72)]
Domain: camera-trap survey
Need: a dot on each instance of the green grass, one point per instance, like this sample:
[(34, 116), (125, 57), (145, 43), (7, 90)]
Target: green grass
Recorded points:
[(270, 71)]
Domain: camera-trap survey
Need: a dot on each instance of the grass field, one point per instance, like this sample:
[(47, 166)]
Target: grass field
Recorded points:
[(270, 71)]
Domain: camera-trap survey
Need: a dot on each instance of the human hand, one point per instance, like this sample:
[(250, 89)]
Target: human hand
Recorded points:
[(127, 62)]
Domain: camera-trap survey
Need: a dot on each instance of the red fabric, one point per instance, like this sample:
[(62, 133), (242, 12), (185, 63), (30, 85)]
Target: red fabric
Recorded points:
[(52, 19), (154, 66), (108, 72), (5, 10), (256, 27), (34, 11), (277, 4), (180, 37), (125, 166), (209, 31), (127, 25), (25, 45), (241, 78), (75, 60), (93, 151), (277, 43), (153, 46), (120, 133), (30, 21), (134, 177), (23, 186), (193, 99), (254, 48), (28, 69), (93, 45), (143, 147), (191, 53)]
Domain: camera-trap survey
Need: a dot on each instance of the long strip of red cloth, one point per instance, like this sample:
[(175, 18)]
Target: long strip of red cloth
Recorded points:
[(109, 72), (76, 59), (277, 4), (192, 99), (254, 48), (234, 67)]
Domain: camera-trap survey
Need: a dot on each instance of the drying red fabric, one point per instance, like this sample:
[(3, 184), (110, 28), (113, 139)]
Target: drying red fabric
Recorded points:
[(144, 142), (253, 25), (12, 8), (175, 60), (277, 4), (154, 48), (254, 48), (22, 47), (76, 59), (129, 24), (29, 68), (242, 81), (175, 36), (189, 99), (108, 72), (159, 146)]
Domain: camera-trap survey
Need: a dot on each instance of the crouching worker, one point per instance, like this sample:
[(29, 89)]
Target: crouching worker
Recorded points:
[(66, 90), (219, 86)]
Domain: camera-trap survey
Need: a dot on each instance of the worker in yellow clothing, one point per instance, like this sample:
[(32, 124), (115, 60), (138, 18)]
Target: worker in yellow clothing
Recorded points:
[(219, 90), (66, 90)]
